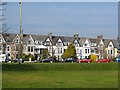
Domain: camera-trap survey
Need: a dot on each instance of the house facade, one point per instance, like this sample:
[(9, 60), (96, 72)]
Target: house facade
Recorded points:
[(56, 45)]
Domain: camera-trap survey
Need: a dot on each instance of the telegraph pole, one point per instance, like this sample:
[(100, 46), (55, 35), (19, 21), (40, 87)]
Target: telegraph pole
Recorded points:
[(21, 32)]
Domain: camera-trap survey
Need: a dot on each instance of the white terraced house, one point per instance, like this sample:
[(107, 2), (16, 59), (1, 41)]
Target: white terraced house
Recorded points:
[(56, 45)]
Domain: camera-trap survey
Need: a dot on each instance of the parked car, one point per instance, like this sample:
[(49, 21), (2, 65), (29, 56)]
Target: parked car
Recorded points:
[(7, 60), (103, 60), (46, 60), (84, 60), (38, 61), (118, 59), (69, 60)]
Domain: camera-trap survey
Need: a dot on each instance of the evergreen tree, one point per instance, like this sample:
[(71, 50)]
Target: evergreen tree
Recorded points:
[(70, 52)]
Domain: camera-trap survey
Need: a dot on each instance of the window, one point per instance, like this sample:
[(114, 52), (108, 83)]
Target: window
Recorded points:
[(28, 48), (80, 51), (17, 41), (32, 49), (92, 50), (77, 50), (101, 51), (76, 44), (29, 42), (111, 51), (108, 51), (86, 57), (8, 48), (50, 49), (85, 44), (59, 50), (0, 40), (85, 50), (110, 45), (88, 50), (0, 48), (59, 44), (101, 45), (47, 43)]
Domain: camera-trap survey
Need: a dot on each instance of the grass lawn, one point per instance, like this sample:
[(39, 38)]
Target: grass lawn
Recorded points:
[(60, 75)]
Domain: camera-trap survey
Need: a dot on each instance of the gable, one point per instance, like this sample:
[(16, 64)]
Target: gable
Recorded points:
[(87, 43), (16, 39), (101, 44), (30, 40), (2, 40), (59, 42), (47, 42), (110, 45), (76, 43)]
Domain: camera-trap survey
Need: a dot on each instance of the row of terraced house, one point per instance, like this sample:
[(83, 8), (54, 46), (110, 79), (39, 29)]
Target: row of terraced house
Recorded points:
[(56, 45)]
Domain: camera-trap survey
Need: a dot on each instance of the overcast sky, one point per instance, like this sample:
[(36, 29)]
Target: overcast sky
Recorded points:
[(87, 19)]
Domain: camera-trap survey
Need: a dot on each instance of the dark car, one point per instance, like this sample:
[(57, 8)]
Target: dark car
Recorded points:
[(47, 60), (69, 60), (118, 59), (56, 60), (7, 60)]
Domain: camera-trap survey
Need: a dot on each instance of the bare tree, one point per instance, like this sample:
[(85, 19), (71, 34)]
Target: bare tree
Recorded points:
[(3, 24)]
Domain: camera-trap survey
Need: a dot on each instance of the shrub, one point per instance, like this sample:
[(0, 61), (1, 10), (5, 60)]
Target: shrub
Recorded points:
[(30, 56), (93, 57)]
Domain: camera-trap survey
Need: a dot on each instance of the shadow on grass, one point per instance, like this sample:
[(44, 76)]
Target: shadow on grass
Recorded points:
[(60, 67), (18, 67)]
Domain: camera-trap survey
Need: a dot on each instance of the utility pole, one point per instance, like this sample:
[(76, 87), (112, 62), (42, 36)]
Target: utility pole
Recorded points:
[(21, 32)]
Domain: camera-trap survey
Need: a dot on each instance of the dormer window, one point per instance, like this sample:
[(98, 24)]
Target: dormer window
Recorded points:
[(75, 43), (101, 45), (47, 43), (29, 42), (59, 44), (85, 44), (17, 41), (110, 45)]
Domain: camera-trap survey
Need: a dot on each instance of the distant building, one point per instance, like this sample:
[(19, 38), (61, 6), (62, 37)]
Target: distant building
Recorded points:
[(56, 45)]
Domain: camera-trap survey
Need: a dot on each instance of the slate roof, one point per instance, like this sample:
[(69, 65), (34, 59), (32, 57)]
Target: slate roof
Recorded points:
[(10, 37), (39, 37)]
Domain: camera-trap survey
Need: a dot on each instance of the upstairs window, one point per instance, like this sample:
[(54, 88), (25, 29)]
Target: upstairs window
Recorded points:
[(28, 48), (0, 48), (17, 41), (110, 45), (29, 42), (59, 50), (101, 45), (86, 44), (59, 44), (31, 48), (0, 40), (85, 50), (8, 48), (75, 44), (47, 43)]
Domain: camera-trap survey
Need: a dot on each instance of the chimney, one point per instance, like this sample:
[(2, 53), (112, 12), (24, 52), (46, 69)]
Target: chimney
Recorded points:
[(50, 35), (76, 35), (100, 37)]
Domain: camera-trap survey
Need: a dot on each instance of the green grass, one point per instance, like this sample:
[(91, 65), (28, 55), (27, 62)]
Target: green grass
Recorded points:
[(60, 75)]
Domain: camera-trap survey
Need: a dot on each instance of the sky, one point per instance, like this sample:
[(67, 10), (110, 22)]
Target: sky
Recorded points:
[(88, 19)]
